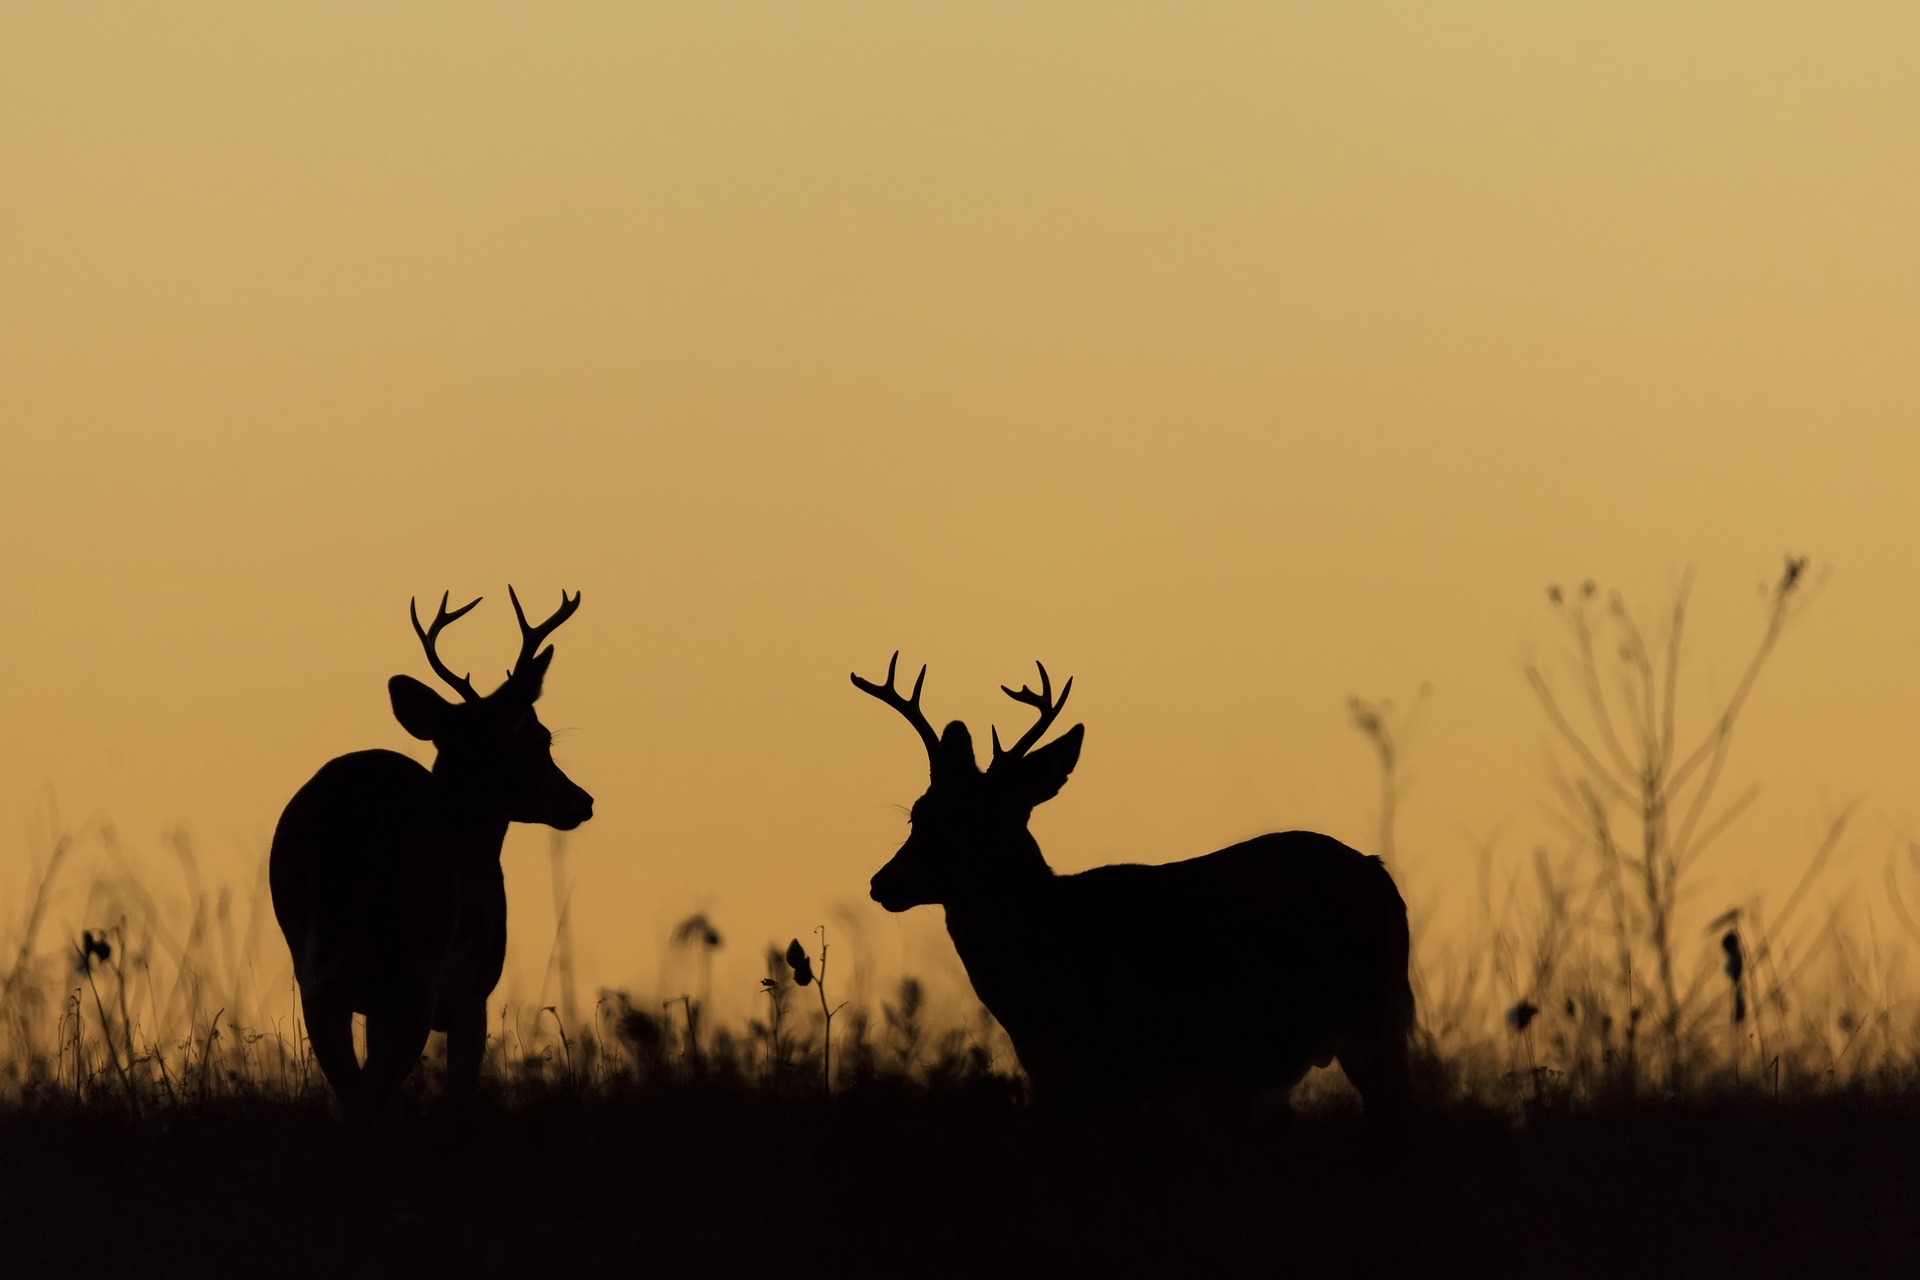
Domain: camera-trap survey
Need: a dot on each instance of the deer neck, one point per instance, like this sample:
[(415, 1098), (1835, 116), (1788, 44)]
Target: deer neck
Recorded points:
[(999, 920), (473, 820), (1008, 938)]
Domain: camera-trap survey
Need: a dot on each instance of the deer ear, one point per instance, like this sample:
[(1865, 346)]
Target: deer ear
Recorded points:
[(421, 712), (956, 749), (1044, 770), (531, 677)]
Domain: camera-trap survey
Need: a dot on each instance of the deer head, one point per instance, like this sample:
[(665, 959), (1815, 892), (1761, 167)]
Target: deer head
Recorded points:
[(970, 835), (493, 750)]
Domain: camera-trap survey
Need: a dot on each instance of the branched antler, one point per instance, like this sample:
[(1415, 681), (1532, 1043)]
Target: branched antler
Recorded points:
[(1043, 702), (430, 636), (531, 638), (908, 706)]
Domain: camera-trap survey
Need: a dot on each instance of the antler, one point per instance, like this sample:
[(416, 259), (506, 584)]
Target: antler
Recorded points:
[(531, 638), (906, 706), (1044, 703), (429, 636)]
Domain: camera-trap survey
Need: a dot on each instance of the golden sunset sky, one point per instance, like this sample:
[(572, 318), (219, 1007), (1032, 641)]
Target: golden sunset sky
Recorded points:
[(1231, 358)]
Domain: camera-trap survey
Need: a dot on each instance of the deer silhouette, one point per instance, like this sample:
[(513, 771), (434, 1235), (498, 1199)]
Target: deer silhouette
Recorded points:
[(386, 876), (1237, 970)]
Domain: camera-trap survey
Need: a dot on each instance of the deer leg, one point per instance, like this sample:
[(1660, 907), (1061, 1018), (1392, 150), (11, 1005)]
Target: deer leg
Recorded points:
[(395, 1038), (330, 1031), (466, 1048), (1376, 1060)]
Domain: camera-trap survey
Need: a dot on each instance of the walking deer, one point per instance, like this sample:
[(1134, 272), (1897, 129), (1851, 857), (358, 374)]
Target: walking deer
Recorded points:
[(1236, 970), (386, 876)]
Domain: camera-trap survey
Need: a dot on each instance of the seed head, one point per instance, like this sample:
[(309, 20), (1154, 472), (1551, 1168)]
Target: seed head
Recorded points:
[(93, 946), (1736, 958), (800, 962)]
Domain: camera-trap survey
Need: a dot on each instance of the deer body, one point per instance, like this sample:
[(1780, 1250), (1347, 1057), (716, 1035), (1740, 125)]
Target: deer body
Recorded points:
[(1237, 970), (383, 885), (386, 875), (1243, 967)]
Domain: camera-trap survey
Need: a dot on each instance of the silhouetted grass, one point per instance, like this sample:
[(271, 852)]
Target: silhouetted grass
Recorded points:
[(725, 1178), (155, 1120)]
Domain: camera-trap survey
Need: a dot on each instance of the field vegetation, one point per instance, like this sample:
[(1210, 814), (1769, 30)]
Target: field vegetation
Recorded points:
[(1614, 1075)]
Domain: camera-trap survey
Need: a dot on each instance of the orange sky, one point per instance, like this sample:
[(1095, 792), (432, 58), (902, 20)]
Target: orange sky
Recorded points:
[(1230, 361)]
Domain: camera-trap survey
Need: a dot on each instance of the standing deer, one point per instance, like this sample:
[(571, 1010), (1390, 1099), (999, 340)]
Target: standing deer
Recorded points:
[(1239, 969), (386, 876)]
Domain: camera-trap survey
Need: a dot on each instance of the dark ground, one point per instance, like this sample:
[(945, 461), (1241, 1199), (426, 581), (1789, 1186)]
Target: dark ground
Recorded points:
[(710, 1182)]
